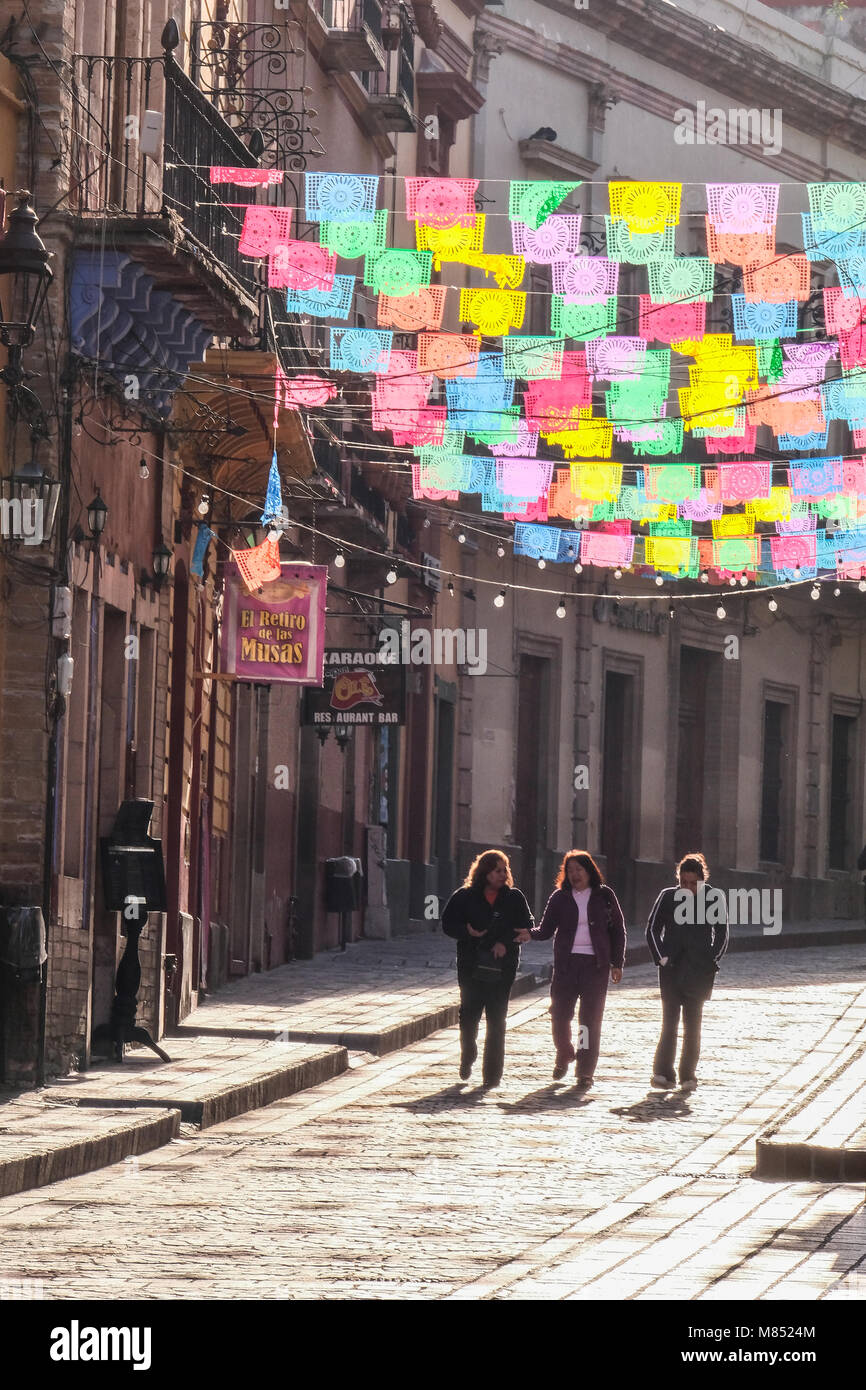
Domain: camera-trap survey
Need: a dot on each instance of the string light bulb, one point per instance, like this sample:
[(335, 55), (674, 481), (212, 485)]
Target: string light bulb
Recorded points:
[(659, 580), (500, 551), (862, 586), (203, 504), (451, 588), (499, 601), (617, 574), (339, 560), (705, 578), (836, 592), (560, 608), (391, 576), (143, 470), (461, 537), (542, 564), (772, 605), (816, 592), (744, 580), (721, 611), (672, 613), (578, 569)]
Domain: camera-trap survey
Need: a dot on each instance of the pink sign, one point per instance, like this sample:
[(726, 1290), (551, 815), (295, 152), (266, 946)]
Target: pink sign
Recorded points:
[(279, 633)]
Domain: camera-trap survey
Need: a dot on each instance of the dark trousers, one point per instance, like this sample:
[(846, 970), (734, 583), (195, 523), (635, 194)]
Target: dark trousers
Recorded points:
[(482, 997), (579, 978), (673, 1001)]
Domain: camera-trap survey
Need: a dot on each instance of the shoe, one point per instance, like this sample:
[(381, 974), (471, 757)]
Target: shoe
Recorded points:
[(690, 1084), (560, 1068), (584, 1083), (467, 1061), (662, 1083)]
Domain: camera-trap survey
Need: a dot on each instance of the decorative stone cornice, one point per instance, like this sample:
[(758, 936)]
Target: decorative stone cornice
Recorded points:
[(556, 157), (704, 52), (495, 33)]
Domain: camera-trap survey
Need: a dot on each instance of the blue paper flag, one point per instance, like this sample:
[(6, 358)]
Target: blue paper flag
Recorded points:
[(274, 498), (202, 541)]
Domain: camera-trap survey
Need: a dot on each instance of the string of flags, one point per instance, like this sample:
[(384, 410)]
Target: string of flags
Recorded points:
[(646, 472)]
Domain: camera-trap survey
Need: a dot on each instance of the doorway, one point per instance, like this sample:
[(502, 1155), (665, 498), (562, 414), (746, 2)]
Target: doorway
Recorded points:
[(531, 791)]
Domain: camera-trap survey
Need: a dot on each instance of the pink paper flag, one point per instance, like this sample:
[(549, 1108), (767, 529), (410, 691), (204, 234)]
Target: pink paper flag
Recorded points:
[(264, 229)]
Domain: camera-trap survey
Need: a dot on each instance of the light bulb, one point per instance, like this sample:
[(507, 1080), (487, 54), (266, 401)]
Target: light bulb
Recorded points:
[(578, 569), (499, 601), (542, 564), (705, 578), (560, 609), (836, 593), (461, 538), (672, 613), (339, 560), (772, 605), (204, 505), (733, 581), (143, 470), (450, 588), (274, 534), (816, 592), (500, 551), (426, 522), (720, 612), (617, 574), (862, 586), (659, 580), (391, 576), (744, 580)]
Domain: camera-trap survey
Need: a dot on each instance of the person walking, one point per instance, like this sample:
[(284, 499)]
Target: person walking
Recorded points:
[(488, 917), (687, 934), (588, 929)]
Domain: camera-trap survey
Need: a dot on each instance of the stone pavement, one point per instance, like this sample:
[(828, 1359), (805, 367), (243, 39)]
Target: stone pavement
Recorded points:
[(269, 1035), (393, 1181)]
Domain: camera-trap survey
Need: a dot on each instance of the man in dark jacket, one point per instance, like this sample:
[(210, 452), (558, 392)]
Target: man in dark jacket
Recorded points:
[(687, 934), (487, 918)]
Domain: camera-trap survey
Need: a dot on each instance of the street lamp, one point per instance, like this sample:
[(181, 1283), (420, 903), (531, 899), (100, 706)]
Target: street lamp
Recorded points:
[(161, 564), (28, 504), (24, 279), (97, 515)]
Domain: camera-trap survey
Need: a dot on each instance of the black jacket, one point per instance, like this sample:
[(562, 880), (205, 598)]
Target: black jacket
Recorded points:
[(693, 949), (499, 921)]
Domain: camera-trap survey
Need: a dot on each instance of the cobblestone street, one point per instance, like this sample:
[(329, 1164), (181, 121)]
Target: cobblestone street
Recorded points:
[(395, 1181)]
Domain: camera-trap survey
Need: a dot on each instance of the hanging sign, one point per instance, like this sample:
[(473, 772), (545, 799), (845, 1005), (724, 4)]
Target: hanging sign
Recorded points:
[(360, 687), (277, 634)]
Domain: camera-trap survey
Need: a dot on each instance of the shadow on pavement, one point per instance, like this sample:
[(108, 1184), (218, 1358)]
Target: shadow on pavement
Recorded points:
[(555, 1096), (654, 1107), (455, 1097)]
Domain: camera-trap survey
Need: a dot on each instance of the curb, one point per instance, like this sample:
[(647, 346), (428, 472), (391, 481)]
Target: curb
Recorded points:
[(132, 1136), (803, 1162), (379, 1043)]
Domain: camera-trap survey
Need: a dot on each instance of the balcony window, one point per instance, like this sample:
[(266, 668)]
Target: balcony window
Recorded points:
[(354, 41)]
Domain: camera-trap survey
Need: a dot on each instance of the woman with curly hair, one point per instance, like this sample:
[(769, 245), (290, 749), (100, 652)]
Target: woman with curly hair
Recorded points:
[(487, 917), (588, 929)]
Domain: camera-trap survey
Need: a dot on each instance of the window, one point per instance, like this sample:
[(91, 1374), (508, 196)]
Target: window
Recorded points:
[(842, 750), (776, 717)]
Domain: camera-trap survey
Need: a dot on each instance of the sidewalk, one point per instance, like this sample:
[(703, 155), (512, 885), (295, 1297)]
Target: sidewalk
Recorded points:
[(271, 1035)]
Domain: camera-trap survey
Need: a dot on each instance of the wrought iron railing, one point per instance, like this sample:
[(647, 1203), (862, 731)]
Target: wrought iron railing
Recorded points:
[(398, 76), (352, 14), (254, 75), (113, 175)]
